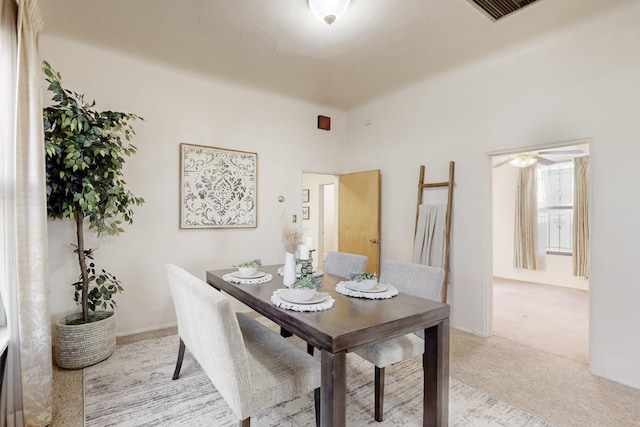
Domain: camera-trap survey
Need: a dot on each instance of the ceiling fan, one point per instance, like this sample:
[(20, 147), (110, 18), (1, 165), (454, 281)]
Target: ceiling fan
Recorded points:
[(529, 158)]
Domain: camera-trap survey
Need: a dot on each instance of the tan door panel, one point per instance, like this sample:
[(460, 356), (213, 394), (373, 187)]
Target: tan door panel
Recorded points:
[(359, 216)]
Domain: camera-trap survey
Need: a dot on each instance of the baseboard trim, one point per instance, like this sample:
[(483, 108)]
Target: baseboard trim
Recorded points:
[(615, 379), (470, 331), (143, 330), (460, 328)]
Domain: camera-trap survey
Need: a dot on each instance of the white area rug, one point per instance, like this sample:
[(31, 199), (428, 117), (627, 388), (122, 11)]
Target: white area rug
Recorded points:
[(134, 388)]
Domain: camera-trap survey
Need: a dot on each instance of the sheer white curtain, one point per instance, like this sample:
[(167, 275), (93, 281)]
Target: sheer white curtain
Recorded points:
[(581, 216), (8, 69), (526, 223), (26, 397)]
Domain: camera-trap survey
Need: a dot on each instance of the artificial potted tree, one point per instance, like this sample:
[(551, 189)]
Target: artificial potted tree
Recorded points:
[(85, 154)]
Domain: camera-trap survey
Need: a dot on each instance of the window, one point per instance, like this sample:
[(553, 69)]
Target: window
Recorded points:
[(555, 206)]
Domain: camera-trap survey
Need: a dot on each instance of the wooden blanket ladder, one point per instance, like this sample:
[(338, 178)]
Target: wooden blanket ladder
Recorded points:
[(422, 185)]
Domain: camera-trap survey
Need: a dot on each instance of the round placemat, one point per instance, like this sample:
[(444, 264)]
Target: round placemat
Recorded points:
[(389, 293), (279, 302)]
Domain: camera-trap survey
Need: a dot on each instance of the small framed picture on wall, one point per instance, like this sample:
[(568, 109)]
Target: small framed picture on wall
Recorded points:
[(305, 196), (305, 212)]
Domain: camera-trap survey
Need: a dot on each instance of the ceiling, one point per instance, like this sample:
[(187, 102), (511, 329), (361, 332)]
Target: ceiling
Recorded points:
[(277, 45)]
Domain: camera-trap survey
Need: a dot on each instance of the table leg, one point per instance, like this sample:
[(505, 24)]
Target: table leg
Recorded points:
[(284, 333), (435, 362), (333, 389)]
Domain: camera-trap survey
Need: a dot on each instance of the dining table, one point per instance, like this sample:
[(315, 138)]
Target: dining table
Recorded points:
[(352, 323)]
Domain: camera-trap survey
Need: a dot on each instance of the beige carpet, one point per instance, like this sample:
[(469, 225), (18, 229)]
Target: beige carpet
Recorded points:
[(134, 388), (551, 318), (556, 389), (553, 388)]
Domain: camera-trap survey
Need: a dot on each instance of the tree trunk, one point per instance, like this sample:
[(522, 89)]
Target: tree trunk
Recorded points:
[(83, 265)]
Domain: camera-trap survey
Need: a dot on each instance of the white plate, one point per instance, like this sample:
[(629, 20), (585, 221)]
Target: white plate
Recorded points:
[(317, 298), (380, 287), (258, 275)]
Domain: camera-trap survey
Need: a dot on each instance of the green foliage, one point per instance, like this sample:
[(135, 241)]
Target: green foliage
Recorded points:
[(102, 287), (358, 277), (85, 155), (253, 263), (86, 152), (306, 282)]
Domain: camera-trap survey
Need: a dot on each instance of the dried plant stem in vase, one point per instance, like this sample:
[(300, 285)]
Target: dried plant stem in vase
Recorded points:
[(291, 236)]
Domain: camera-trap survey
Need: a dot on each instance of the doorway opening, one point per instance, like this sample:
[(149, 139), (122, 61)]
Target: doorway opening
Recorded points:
[(341, 212), (546, 306), (320, 213)]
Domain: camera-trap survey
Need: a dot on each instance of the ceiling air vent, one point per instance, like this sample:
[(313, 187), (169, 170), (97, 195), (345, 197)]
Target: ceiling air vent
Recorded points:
[(500, 8)]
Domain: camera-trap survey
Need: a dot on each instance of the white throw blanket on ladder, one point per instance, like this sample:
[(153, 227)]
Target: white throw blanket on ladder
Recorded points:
[(429, 243)]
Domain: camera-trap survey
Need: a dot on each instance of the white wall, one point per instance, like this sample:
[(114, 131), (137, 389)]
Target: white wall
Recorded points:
[(179, 107), (583, 82), (552, 269)]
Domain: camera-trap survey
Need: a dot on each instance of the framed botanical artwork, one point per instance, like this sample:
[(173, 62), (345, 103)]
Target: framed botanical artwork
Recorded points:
[(218, 187), (305, 212), (305, 196)]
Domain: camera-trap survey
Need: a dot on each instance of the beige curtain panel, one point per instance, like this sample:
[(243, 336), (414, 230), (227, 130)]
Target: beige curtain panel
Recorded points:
[(581, 216), (526, 223), (26, 397)]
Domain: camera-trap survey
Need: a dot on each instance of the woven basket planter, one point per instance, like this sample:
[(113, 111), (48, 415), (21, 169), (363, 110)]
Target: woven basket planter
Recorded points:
[(79, 346)]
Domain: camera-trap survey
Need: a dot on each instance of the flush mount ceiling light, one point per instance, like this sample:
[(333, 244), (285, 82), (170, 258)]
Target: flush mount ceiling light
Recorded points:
[(328, 11)]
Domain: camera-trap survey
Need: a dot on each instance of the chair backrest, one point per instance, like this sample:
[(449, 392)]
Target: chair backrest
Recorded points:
[(415, 279), (210, 330), (343, 263)]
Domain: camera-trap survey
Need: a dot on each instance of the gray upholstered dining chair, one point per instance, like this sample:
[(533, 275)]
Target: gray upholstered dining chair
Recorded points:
[(251, 366), (343, 263), (415, 279)]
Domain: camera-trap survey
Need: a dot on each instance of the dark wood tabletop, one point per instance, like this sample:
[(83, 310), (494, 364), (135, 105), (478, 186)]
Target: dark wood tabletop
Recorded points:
[(352, 323)]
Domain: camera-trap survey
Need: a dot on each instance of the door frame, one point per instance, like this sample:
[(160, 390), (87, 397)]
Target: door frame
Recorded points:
[(488, 285)]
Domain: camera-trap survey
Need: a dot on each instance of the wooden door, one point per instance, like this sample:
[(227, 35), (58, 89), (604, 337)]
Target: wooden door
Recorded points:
[(359, 216)]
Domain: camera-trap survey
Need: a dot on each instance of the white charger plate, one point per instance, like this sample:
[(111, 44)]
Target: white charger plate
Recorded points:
[(317, 298), (353, 285), (258, 275)]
